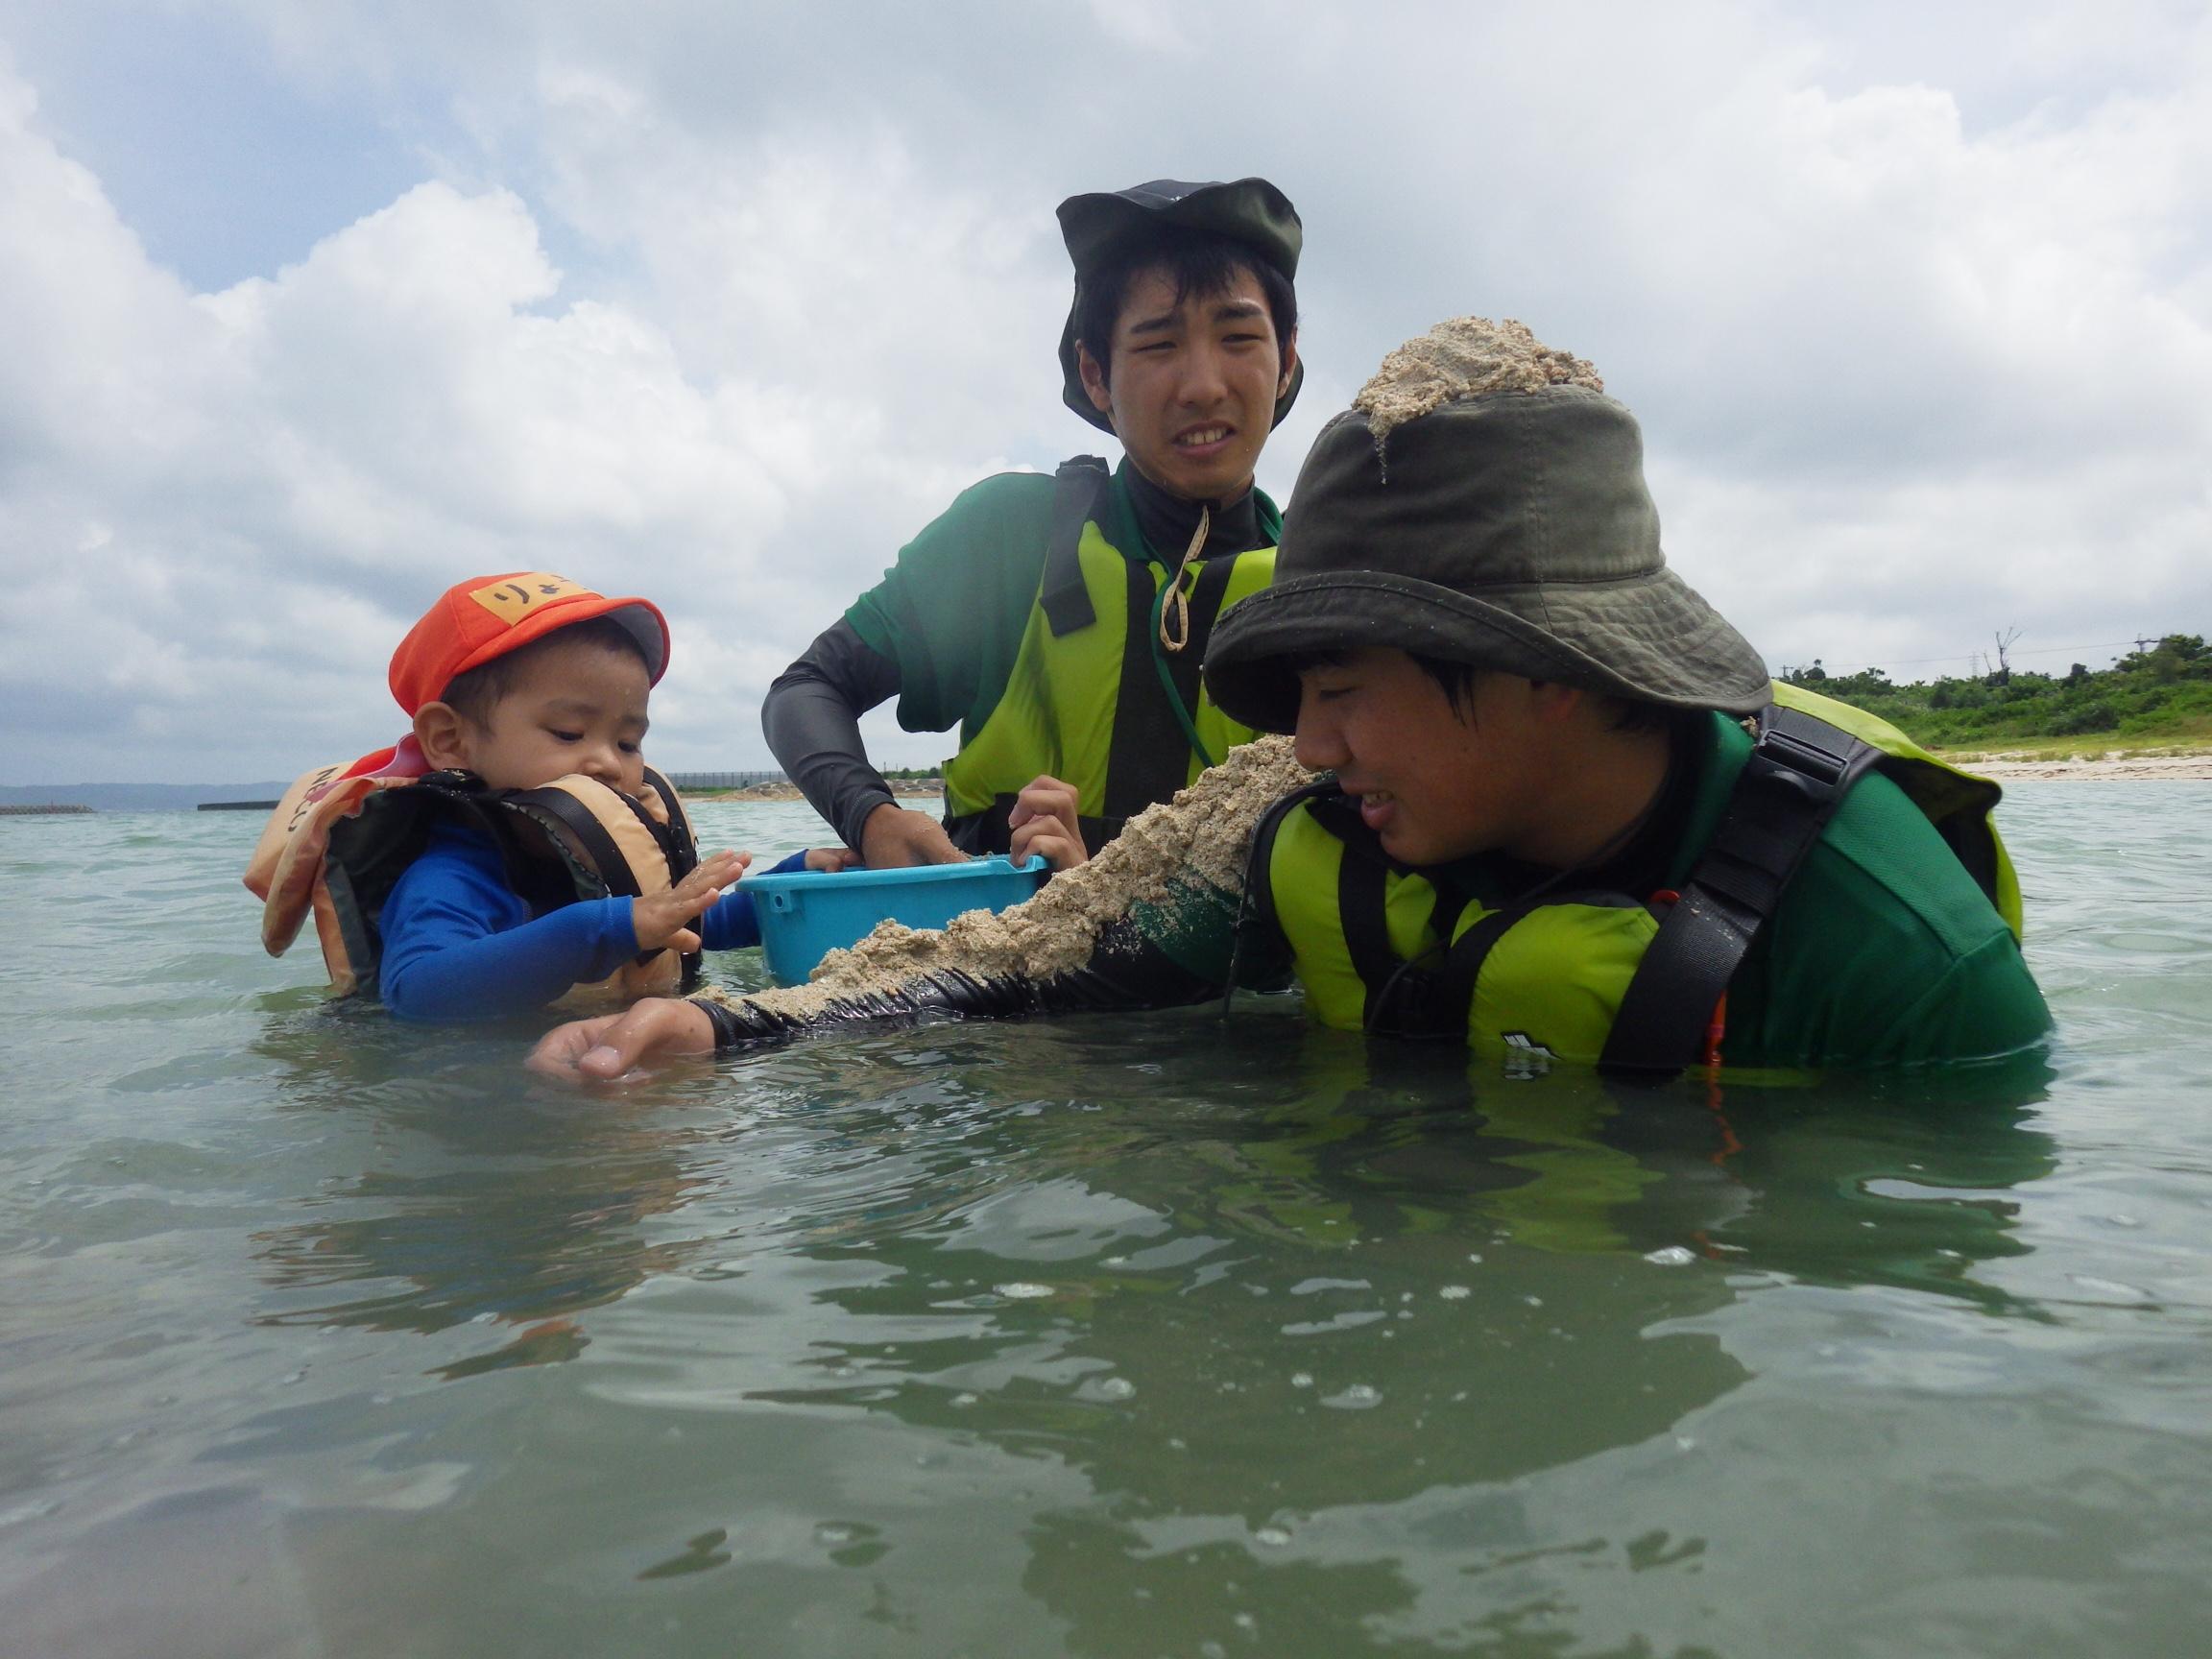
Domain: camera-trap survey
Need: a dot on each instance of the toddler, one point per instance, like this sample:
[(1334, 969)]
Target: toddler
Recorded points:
[(461, 887)]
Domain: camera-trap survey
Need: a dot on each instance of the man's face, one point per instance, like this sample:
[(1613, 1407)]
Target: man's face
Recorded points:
[(1192, 387), (1435, 782), (574, 707)]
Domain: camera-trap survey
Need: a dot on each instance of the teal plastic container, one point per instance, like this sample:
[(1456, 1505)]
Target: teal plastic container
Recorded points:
[(806, 914)]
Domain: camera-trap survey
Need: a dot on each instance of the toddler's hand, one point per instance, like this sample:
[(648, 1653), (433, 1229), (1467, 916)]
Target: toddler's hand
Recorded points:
[(663, 918), (832, 858)]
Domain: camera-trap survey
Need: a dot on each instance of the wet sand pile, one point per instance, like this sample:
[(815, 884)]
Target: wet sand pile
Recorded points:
[(1459, 358), (1200, 838)]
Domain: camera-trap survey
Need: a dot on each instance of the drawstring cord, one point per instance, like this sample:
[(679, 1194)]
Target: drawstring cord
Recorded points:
[(1178, 597)]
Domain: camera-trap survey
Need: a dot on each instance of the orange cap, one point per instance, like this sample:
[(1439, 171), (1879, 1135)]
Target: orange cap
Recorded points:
[(487, 616)]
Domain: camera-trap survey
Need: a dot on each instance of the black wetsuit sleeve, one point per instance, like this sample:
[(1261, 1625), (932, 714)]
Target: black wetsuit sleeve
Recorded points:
[(1186, 946), (1126, 973), (811, 718)]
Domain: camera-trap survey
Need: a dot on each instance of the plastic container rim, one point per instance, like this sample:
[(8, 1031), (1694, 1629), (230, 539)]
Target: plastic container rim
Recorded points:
[(996, 866)]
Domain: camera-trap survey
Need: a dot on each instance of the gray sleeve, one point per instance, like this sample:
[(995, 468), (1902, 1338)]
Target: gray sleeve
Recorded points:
[(811, 718)]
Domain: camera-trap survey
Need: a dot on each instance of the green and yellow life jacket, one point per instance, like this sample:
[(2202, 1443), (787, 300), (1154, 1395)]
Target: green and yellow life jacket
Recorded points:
[(1094, 699), (339, 839), (1381, 947), (1956, 803)]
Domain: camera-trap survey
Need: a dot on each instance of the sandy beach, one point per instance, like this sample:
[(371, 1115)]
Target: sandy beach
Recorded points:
[(2024, 770)]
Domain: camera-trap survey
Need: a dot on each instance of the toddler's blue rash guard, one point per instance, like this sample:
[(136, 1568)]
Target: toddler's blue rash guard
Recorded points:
[(460, 944)]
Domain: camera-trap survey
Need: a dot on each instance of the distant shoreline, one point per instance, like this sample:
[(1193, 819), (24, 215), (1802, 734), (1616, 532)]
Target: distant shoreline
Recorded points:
[(2013, 766), (2108, 768), (916, 787), (2006, 767), (2009, 765)]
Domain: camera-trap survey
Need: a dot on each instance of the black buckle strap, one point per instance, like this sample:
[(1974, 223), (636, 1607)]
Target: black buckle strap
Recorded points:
[(1798, 773), (1804, 753), (676, 836), (1078, 487), (1257, 926)]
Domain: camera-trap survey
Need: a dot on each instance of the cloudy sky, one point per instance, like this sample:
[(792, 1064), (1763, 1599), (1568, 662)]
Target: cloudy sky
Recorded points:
[(311, 307)]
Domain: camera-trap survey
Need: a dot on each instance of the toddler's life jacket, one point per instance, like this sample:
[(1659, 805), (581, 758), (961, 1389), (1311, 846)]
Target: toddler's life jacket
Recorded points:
[(339, 841)]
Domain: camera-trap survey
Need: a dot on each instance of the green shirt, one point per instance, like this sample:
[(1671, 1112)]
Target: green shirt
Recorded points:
[(1883, 952), (951, 612)]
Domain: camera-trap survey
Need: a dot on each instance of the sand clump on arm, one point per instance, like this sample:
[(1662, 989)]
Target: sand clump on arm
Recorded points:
[(1200, 838), (1459, 358)]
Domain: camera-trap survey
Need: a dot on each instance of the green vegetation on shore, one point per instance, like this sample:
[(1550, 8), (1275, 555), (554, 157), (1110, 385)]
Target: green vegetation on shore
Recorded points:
[(2153, 701), (2161, 696)]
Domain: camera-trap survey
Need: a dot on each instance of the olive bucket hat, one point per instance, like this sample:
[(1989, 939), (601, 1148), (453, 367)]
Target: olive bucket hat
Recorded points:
[(1510, 530), (1103, 225)]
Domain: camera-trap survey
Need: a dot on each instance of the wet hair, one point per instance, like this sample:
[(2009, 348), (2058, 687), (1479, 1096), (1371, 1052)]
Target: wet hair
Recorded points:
[(1457, 681), (1200, 262), (474, 694), (1628, 713)]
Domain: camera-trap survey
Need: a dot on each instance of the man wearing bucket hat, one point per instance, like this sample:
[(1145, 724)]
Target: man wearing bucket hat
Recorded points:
[(1546, 825), (1564, 815), (1060, 622)]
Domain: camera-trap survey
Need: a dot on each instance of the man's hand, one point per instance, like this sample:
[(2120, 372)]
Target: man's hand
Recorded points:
[(895, 838), (665, 917), (607, 1048), (832, 858), (1044, 821)]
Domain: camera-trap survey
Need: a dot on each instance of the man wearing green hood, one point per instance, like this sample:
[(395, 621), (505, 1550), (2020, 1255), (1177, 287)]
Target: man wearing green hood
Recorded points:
[(1562, 816), (1060, 622)]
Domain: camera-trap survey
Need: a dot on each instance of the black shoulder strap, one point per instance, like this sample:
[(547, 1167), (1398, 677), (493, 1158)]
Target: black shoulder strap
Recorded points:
[(595, 864), (370, 852), (1156, 708), (1799, 771), (1208, 589), (1432, 999), (1463, 960), (1363, 884), (603, 872), (1399, 996), (682, 846), (1077, 487), (1258, 927)]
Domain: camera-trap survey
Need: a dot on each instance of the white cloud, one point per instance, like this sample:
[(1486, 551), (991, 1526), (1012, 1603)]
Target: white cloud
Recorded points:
[(1147, 25), (284, 472)]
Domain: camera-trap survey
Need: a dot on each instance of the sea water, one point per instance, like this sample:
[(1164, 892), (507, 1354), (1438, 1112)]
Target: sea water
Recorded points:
[(1115, 1336)]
